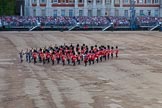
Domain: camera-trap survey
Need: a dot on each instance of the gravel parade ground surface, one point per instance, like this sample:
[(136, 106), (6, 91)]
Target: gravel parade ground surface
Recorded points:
[(134, 80)]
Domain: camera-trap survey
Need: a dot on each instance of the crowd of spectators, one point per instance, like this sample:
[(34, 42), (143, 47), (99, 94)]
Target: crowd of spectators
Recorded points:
[(19, 21), (93, 21), (148, 21), (120, 21)]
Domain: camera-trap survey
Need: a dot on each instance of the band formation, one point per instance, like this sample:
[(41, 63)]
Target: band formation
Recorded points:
[(70, 54)]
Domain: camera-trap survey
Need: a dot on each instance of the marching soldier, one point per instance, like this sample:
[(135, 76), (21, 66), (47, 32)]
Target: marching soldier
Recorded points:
[(21, 56), (116, 51), (35, 56), (112, 52)]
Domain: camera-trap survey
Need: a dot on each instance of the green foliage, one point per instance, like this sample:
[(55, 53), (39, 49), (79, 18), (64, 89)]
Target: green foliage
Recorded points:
[(7, 7)]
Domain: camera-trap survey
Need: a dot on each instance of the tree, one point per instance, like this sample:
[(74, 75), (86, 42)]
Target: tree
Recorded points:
[(7, 7)]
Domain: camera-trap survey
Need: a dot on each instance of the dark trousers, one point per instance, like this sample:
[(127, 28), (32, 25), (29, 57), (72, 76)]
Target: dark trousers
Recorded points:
[(112, 55), (78, 62), (53, 62), (68, 60), (35, 60), (97, 60), (58, 60), (44, 61), (85, 62)]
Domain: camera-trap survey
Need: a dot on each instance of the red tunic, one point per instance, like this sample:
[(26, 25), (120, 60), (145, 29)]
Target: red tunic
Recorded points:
[(66, 51), (78, 57), (116, 51), (95, 50), (41, 55), (93, 57), (34, 55), (44, 55), (100, 53), (57, 55), (82, 51), (53, 57), (68, 56), (48, 55), (111, 51), (73, 58), (89, 56), (86, 58), (104, 52), (63, 57), (107, 52), (96, 55)]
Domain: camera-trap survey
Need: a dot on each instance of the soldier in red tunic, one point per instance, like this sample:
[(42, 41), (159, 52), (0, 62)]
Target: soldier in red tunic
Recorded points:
[(89, 57), (112, 52), (68, 57), (35, 56), (73, 58), (93, 57), (48, 56), (63, 57), (97, 56), (58, 57), (108, 51), (85, 59), (116, 51), (78, 58), (53, 58)]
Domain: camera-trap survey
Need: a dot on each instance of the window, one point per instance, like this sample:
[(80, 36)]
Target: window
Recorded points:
[(107, 13), (80, 12), (126, 13), (80, 1), (141, 1), (98, 1), (55, 13), (156, 1), (34, 1), (148, 1), (156, 13), (54, 1), (108, 2), (141, 13), (62, 12), (71, 1), (34, 12), (117, 1), (90, 1), (63, 1), (126, 1), (116, 12), (89, 12), (28, 3), (149, 12), (70, 12), (43, 1), (43, 12), (98, 12)]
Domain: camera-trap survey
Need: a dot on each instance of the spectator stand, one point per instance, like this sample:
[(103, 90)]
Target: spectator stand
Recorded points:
[(102, 23)]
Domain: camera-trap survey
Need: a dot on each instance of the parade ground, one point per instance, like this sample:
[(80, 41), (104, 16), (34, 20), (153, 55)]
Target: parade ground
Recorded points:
[(133, 80)]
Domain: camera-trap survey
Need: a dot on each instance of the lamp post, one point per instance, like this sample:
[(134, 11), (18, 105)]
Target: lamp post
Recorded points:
[(132, 14)]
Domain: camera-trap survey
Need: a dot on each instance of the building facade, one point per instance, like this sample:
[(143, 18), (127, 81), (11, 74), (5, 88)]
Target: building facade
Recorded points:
[(91, 8)]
